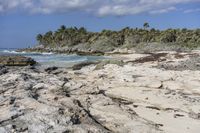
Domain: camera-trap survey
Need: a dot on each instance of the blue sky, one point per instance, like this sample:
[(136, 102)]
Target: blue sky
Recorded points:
[(22, 20)]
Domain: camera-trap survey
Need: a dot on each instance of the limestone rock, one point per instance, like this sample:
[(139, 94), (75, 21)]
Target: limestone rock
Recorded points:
[(3, 70), (16, 61), (128, 97)]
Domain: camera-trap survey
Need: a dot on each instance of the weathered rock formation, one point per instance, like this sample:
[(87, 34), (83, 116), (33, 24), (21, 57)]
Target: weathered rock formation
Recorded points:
[(139, 96), (16, 61)]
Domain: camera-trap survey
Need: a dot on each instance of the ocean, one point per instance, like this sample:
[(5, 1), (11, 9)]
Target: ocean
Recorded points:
[(52, 59)]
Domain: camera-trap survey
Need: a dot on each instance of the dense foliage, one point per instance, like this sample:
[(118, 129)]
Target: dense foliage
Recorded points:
[(127, 37)]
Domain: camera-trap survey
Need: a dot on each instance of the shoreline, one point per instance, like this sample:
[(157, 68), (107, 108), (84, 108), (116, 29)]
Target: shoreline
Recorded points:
[(157, 92), (53, 59), (67, 51)]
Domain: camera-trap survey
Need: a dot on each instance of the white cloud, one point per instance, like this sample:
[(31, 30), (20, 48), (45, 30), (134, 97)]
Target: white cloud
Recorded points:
[(165, 10), (98, 7), (51, 6), (1, 8), (121, 10), (192, 10), (7, 5)]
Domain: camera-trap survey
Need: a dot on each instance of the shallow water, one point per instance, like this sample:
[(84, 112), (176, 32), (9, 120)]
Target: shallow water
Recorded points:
[(51, 59)]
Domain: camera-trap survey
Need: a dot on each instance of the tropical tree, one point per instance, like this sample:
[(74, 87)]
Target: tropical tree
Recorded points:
[(82, 30), (169, 36), (146, 25), (62, 28), (72, 36), (39, 38)]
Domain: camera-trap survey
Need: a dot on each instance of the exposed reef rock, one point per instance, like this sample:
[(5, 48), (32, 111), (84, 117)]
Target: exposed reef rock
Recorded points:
[(3, 70), (16, 61), (135, 95), (83, 64)]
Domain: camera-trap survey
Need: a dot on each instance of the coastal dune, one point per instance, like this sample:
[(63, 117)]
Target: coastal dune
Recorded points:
[(154, 93)]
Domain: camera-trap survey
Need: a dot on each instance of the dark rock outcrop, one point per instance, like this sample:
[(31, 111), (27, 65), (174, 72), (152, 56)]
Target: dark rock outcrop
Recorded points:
[(50, 69), (83, 64), (3, 70), (16, 61)]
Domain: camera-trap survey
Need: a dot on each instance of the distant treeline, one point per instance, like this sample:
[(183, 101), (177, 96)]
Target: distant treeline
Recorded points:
[(73, 36)]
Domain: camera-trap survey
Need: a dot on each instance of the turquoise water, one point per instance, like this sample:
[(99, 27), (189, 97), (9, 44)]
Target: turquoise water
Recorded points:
[(51, 59)]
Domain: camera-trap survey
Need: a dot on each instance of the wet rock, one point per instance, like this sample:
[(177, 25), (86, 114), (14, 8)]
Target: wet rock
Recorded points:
[(16, 61)]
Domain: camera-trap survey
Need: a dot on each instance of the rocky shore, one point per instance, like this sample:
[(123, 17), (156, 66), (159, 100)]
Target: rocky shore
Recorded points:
[(136, 93), (63, 50), (15, 60)]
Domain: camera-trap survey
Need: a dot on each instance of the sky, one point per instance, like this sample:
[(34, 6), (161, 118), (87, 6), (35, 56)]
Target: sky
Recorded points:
[(22, 20)]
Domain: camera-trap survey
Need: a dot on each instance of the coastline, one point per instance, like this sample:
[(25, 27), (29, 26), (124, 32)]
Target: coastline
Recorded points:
[(62, 51), (93, 66), (47, 59), (134, 92)]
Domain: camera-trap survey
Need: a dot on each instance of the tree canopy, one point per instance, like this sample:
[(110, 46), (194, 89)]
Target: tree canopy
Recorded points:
[(73, 36)]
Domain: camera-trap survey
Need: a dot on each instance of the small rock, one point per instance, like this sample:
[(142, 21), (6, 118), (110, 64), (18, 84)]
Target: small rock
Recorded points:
[(3, 70), (82, 64), (12, 100), (50, 69)]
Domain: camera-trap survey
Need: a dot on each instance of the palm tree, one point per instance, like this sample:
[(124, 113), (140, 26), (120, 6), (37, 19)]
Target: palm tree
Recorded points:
[(39, 38), (62, 27), (146, 25), (82, 30)]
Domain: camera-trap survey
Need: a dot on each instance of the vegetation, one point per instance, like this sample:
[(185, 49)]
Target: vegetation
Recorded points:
[(108, 40)]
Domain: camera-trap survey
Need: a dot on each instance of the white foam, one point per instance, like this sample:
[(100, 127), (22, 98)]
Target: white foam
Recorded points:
[(13, 52), (51, 59), (8, 51), (44, 53)]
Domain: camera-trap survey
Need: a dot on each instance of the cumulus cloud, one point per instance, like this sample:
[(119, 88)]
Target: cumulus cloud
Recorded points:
[(97, 7)]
